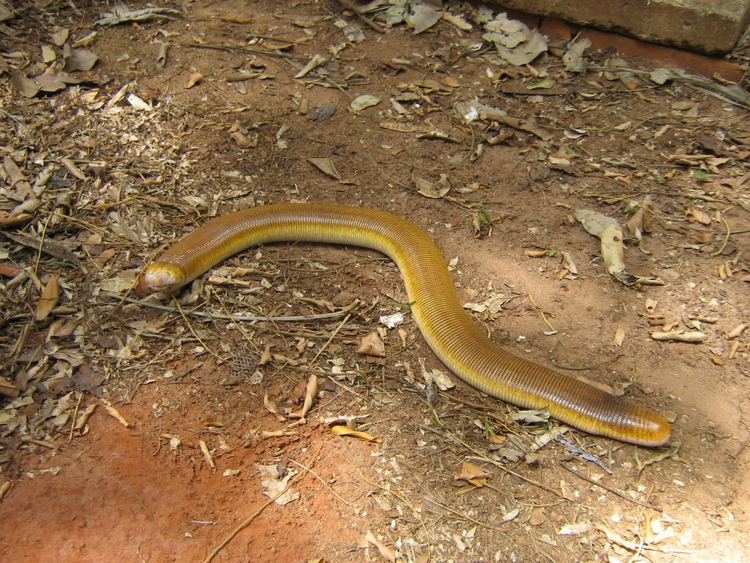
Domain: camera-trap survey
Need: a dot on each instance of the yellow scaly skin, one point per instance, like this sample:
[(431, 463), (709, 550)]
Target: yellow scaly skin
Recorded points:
[(454, 337)]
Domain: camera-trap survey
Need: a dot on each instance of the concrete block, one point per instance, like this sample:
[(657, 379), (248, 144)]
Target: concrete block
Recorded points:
[(708, 26)]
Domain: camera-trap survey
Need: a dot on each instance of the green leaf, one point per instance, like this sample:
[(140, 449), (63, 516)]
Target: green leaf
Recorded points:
[(701, 176), (546, 83)]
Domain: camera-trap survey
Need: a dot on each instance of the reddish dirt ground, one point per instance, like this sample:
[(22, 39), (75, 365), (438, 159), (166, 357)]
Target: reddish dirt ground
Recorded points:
[(108, 492)]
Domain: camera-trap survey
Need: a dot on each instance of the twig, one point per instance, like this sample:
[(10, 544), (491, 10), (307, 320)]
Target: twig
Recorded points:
[(241, 318), (610, 490), (497, 463), (344, 387), (73, 419), (41, 244), (190, 328), (544, 318), (632, 546), (417, 515), (464, 516), (215, 551), (726, 238), (367, 21), (330, 489), (333, 334), (231, 49), (244, 334)]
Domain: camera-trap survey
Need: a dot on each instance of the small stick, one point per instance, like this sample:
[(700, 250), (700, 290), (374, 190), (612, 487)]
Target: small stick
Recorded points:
[(498, 464), (190, 327), (73, 420), (610, 490), (231, 49), (465, 517), (544, 318), (400, 497), (215, 551), (726, 238), (333, 334), (241, 318), (41, 244), (244, 334), (367, 21), (694, 337), (330, 489)]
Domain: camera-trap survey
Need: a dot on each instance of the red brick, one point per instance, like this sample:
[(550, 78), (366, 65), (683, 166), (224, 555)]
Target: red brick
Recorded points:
[(657, 55)]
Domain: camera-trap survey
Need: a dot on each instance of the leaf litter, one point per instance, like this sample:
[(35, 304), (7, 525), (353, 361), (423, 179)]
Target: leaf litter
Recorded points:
[(59, 238)]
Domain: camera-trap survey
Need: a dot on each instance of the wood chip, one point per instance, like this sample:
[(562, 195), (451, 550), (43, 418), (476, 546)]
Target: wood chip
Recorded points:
[(266, 356), (619, 337), (194, 79), (5, 489), (8, 389), (114, 413), (736, 332), (83, 418), (207, 454), (73, 169), (311, 392), (340, 430), (691, 337), (386, 552)]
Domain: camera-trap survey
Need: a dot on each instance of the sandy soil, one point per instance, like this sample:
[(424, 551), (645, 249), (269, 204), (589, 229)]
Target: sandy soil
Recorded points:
[(184, 473)]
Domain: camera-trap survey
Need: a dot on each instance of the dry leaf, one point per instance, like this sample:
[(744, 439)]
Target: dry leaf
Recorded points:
[(48, 300), (60, 36), (266, 356), (619, 337), (78, 59), (345, 431), (83, 418), (363, 102), (573, 58), (472, 474), (194, 79), (8, 389), (271, 407), (574, 529), (698, 215), (387, 553), (457, 21), (114, 413), (325, 165), (139, 103), (514, 41), (736, 332), (436, 376), (312, 64), (423, 16), (430, 189), (49, 82), (25, 86), (275, 482), (569, 264), (207, 454), (311, 392), (372, 345), (5, 489), (72, 168), (48, 54)]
